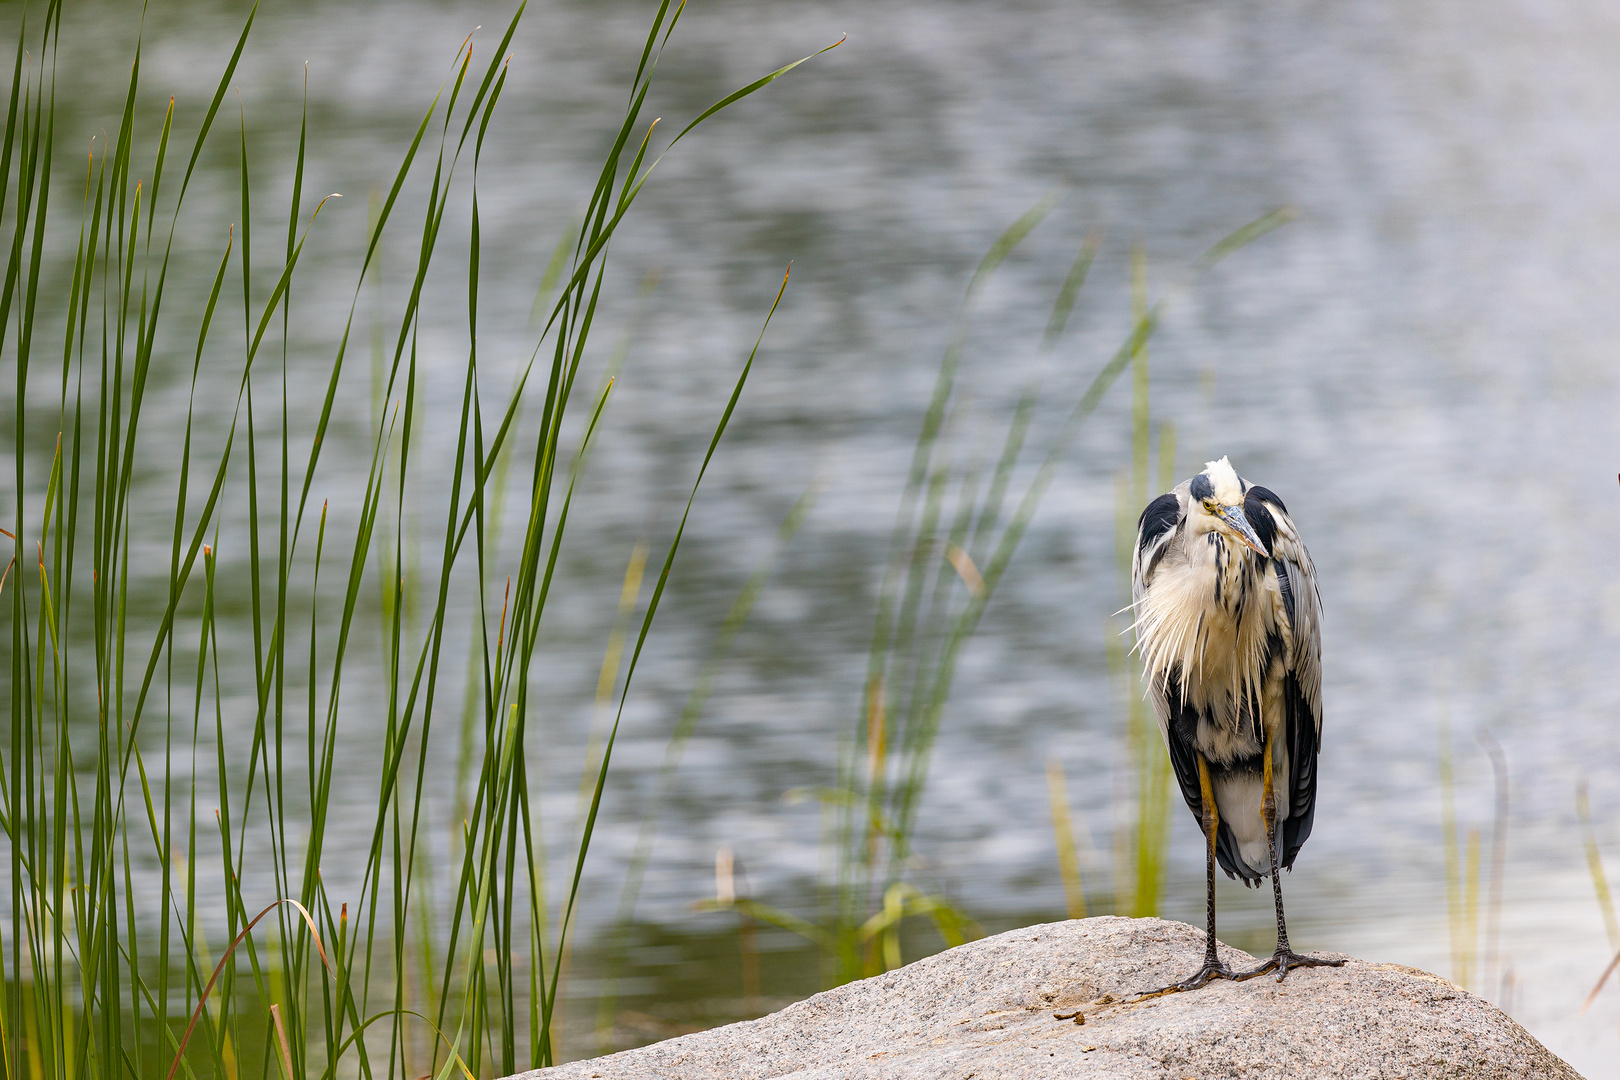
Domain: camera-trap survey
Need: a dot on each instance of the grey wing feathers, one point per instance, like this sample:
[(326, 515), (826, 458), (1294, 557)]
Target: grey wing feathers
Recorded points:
[(1296, 579), (1302, 691)]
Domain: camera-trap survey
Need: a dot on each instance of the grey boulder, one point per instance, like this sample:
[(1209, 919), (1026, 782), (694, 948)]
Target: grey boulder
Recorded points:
[(985, 1011)]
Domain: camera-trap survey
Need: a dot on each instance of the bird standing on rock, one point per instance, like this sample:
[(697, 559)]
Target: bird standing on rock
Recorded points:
[(1227, 625)]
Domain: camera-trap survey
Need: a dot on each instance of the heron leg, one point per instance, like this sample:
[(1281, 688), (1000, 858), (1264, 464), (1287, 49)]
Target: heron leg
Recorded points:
[(1210, 819), (1285, 957)]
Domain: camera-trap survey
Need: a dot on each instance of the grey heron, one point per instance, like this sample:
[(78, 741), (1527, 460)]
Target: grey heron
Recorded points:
[(1227, 625)]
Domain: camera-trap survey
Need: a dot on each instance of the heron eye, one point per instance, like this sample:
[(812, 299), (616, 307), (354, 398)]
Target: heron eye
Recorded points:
[(1209, 504)]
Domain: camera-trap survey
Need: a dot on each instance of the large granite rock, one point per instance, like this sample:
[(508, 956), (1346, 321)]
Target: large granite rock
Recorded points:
[(985, 1011)]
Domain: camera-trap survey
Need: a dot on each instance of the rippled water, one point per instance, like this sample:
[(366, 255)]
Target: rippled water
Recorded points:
[(1422, 365)]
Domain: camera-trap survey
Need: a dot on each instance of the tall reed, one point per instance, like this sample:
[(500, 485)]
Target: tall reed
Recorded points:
[(1474, 921), (1600, 887), (179, 897), (1142, 833)]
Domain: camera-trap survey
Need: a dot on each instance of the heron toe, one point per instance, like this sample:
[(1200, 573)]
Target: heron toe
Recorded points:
[(1284, 959), (1210, 971)]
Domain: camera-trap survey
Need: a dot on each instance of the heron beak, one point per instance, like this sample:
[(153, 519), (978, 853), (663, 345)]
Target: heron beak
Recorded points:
[(1234, 519)]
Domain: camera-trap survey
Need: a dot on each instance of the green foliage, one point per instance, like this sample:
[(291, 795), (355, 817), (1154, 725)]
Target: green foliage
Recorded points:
[(951, 522), (134, 942), (953, 538)]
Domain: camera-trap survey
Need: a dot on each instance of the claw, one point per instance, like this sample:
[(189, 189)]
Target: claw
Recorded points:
[(1210, 970), (1286, 958)]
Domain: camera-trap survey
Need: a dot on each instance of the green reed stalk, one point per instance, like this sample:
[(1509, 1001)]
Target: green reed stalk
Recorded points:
[(1491, 965), (1594, 864), (1462, 865), (685, 725), (1600, 885), (1141, 843), (1074, 892)]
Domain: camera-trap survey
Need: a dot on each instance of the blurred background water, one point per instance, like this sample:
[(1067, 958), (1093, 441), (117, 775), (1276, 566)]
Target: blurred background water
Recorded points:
[(1422, 365)]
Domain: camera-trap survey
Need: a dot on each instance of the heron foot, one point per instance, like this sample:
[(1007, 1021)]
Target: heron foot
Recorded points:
[(1284, 959), (1212, 969)]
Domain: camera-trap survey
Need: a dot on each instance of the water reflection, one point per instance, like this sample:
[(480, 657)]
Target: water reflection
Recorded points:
[(1422, 366)]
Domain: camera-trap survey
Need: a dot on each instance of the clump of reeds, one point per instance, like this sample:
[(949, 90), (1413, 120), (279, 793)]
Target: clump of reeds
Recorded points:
[(168, 815), (956, 530)]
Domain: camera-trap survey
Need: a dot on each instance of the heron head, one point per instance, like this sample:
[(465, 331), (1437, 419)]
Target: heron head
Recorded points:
[(1215, 504)]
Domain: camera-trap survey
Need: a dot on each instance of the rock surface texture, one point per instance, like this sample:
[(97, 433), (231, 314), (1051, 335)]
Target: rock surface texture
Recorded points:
[(985, 1011)]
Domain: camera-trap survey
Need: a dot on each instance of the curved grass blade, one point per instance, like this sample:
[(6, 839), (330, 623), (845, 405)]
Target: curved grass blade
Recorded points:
[(635, 657)]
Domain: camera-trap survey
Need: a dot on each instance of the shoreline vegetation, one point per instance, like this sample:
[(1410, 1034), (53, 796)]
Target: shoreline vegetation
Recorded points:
[(131, 943)]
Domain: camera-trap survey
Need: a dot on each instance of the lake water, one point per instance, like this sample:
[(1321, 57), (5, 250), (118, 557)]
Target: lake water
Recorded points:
[(1423, 365)]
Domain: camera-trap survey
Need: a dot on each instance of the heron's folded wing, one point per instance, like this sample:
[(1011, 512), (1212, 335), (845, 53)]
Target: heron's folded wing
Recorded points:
[(1302, 735), (1302, 684)]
